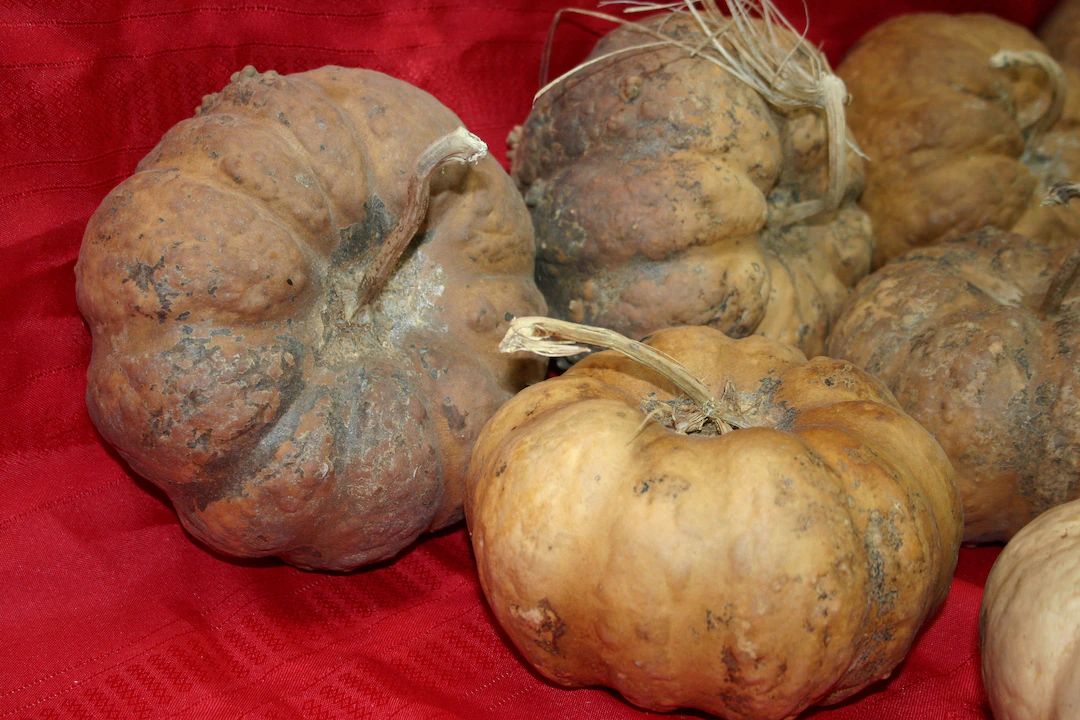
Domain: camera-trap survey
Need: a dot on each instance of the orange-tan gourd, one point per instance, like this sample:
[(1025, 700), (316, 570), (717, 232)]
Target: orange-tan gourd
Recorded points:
[(963, 127), (295, 303), (749, 574), (970, 337)]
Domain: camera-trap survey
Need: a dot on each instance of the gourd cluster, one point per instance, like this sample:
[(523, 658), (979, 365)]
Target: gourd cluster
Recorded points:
[(843, 332)]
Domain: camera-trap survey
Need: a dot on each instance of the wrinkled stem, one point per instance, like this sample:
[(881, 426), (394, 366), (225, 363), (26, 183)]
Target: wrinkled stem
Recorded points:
[(458, 146), (759, 47), (1066, 275), (557, 338), (1056, 78), (834, 93), (1061, 193)]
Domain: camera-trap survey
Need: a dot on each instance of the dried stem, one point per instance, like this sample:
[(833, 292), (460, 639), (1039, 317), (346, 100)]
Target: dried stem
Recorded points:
[(1056, 78), (1066, 275), (760, 47), (557, 338), (457, 146), (1061, 193)]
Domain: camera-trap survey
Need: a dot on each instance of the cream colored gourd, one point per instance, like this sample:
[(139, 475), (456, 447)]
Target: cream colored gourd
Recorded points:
[(1030, 621)]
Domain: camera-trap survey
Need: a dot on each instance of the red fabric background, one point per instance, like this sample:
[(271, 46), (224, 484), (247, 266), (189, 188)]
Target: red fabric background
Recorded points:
[(107, 608)]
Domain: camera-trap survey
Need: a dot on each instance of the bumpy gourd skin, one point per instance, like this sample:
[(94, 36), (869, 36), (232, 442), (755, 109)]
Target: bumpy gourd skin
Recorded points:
[(955, 332), (657, 183), (1029, 624), (231, 363), (750, 574), (946, 132)]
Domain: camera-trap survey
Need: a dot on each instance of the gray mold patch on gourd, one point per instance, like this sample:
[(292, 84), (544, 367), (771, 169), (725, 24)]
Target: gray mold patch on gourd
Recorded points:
[(412, 298), (229, 395)]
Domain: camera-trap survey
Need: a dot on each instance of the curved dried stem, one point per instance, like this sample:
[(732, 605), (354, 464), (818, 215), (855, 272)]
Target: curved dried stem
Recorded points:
[(1061, 193), (1055, 78), (558, 338), (756, 44), (457, 146)]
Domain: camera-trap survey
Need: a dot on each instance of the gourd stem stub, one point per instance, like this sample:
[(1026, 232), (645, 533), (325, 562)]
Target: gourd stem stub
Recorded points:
[(1057, 81), (457, 146), (558, 338), (1067, 273)]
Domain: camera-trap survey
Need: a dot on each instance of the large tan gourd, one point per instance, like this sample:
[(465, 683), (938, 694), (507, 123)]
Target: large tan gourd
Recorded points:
[(621, 541), (979, 339), (966, 120), (666, 190), (295, 303)]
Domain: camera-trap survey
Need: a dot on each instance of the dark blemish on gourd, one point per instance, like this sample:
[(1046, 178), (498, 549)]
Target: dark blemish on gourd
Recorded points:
[(542, 623), (454, 418), (1020, 355), (145, 277), (787, 416), (630, 88), (881, 530), (715, 620), (665, 486), (160, 426), (361, 236), (508, 316), (433, 372), (731, 663), (784, 493), (500, 470), (191, 402)]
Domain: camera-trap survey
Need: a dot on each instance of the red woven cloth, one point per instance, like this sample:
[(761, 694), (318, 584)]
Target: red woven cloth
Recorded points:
[(107, 608)]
